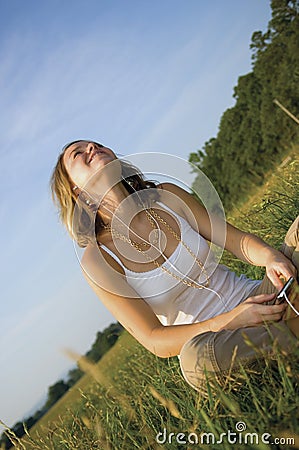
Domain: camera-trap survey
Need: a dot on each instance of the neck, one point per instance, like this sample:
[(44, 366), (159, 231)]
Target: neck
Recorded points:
[(118, 204)]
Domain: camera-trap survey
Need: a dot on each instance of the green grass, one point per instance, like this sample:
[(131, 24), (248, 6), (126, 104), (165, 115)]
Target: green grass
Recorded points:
[(130, 395)]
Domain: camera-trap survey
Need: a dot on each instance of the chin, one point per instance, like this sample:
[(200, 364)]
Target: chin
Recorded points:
[(106, 167)]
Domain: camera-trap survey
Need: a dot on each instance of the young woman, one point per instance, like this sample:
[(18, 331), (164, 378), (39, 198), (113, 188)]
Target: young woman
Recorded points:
[(147, 258)]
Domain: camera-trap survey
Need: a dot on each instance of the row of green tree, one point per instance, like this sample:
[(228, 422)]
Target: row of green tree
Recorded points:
[(103, 342), (255, 133)]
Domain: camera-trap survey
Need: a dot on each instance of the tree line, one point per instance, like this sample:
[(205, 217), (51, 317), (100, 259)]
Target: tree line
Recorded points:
[(254, 134), (103, 342)]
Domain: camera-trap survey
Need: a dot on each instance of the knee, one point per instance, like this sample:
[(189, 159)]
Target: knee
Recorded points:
[(197, 360), (292, 236)]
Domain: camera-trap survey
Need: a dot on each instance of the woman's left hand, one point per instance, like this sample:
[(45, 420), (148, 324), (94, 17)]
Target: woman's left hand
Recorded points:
[(279, 266)]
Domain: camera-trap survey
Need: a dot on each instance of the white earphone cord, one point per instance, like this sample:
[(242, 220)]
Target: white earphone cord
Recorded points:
[(290, 304)]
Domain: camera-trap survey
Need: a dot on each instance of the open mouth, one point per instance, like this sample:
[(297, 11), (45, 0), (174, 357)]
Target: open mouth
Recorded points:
[(97, 152)]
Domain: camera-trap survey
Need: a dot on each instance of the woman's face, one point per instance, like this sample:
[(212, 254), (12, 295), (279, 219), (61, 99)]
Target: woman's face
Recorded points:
[(83, 159)]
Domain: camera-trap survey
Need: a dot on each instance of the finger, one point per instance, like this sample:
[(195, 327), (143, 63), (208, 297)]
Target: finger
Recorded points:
[(274, 278), (273, 317), (261, 298), (285, 271), (267, 310), (288, 273)]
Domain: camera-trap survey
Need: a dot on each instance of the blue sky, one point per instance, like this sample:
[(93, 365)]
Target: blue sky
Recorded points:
[(139, 76)]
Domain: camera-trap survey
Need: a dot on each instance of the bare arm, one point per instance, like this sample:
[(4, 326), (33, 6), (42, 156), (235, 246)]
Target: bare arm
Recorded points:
[(106, 278), (245, 246)]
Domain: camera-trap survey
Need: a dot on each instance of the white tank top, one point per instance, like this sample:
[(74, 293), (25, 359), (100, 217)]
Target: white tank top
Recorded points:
[(176, 303)]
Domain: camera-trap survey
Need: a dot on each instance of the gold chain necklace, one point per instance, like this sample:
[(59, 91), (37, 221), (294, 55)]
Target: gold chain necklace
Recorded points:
[(150, 213)]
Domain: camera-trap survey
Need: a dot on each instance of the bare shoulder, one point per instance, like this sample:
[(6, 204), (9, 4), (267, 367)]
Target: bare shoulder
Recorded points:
[(171, 187), (179, 199), (89, 253), (91, 256), (179, 192), (185, 204), (100, 268)]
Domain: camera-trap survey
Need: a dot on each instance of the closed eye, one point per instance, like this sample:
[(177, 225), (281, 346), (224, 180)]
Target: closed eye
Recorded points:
[(75, 152)]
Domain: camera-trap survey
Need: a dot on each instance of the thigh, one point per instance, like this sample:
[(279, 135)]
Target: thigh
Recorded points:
[(219, 356), (265, 287), (290, 246)]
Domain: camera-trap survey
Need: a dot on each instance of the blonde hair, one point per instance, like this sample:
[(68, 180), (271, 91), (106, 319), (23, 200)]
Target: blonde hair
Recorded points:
[(79, 219)]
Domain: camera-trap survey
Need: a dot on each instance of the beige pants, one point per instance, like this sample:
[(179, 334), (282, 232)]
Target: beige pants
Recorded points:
[(218, 356)]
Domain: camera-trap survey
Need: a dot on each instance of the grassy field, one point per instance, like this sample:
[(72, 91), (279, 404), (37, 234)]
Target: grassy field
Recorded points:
[(130, 396)]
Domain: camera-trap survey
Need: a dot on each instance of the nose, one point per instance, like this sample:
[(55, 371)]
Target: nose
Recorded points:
[(90, 147)]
